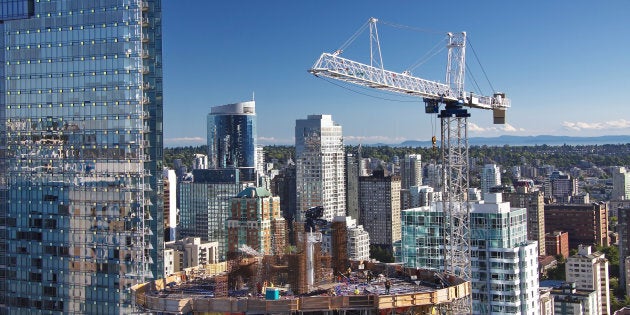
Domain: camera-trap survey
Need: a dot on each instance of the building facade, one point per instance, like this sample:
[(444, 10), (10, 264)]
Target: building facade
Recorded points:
[(352, 185), (256, 221), (379, 208), (504, 263), (621, 184), (586, 224), (232, 137), (534, 202), (81, 134), (170, 205), (190, 252), (557, 243), (411, 171), (320, 171), (205, 205), (589, 271), (490, 177)]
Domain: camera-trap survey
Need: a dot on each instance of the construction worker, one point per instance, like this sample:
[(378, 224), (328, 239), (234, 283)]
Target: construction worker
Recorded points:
[(388, 285), (356, 290)]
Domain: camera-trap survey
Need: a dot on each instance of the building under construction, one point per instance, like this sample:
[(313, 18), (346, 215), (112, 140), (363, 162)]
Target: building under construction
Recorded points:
[(302, 281)]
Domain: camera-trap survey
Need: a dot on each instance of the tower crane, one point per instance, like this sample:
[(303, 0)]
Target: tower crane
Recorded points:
[(451, 103)]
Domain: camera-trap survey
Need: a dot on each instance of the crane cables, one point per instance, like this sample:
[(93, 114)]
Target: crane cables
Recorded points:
[(480, 65)]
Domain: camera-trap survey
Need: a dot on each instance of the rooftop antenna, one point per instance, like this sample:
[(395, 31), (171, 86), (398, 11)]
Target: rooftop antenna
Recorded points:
[(253, 96)]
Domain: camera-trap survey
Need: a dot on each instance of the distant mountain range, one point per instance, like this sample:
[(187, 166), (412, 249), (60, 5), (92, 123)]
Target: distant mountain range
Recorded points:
[(528, 141)]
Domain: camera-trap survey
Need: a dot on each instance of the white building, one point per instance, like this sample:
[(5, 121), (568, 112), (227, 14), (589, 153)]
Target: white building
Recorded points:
[(589, 271), (504, 263), (170, 204), (358, 240), (200, 162), (191, 252), (490, 177), (434, 176), (319, 159), (621, 184), (169, 262), (423, 196), (411, 171)]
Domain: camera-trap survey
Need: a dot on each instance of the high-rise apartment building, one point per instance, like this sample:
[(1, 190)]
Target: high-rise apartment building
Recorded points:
[(256, 221), (379, 208), (205, 205), (232, 137), (411, 171), (623, 230), (504, 263), (586, 224), (621, 184), (490, 177), (589, 271), (170, 205), (352, 186), (534, 202), (320, 171), (81, 216), (562, 187), (433, 176)]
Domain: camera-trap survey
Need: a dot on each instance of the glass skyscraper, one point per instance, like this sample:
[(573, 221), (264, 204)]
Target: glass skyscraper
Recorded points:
[(81, 215), (232, 137)]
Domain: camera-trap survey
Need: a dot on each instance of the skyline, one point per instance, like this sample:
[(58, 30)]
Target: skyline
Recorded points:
[(560, 63)]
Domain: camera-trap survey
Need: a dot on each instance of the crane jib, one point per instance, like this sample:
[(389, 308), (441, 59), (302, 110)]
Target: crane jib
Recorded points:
[(335, 67)]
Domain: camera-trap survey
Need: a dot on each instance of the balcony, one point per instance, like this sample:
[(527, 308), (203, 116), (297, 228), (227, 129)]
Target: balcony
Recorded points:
[(145, 6)]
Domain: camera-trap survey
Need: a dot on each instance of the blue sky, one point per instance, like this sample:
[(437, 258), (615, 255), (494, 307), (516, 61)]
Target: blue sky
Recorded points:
[(564, 64)]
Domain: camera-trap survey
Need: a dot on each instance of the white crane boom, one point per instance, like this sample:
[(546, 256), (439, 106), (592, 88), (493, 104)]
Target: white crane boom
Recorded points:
[(339, 68)]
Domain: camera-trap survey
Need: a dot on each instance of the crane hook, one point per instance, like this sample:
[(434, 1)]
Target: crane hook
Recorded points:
[(434, 141)]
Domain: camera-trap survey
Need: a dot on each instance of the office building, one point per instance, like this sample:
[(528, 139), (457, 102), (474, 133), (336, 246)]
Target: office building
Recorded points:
[(81, 135), (232, 137), (534, 202), (320, 171), (256, 221), (411, 171), (490, 177), (621, 184), (586, 224), (379, 208), (205, 203), (589, 271), (283, 185), (504, 263)]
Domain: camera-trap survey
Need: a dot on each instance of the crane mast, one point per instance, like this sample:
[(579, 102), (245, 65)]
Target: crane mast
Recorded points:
[(454, 127)]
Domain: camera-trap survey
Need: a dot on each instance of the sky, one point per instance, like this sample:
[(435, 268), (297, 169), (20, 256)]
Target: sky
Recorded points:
[(564, 64)]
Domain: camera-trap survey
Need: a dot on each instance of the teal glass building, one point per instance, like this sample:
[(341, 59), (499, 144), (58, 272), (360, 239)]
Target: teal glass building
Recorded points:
[(81, 215)]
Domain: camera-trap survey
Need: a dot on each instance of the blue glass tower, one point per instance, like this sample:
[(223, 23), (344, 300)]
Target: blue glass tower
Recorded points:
[(232, 137), (81, 215)]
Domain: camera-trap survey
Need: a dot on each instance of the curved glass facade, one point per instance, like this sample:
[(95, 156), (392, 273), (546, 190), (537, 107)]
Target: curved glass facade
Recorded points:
[(232, 136), (81, 130)]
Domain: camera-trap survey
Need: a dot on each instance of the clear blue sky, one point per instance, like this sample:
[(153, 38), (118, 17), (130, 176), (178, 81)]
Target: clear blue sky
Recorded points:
[(564, 64)]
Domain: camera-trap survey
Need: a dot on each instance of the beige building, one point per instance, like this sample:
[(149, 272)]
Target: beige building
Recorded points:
[(189, 252), (589, 271)]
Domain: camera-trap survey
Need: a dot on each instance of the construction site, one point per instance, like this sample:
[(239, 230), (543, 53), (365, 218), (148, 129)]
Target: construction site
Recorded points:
[(304, 281)]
